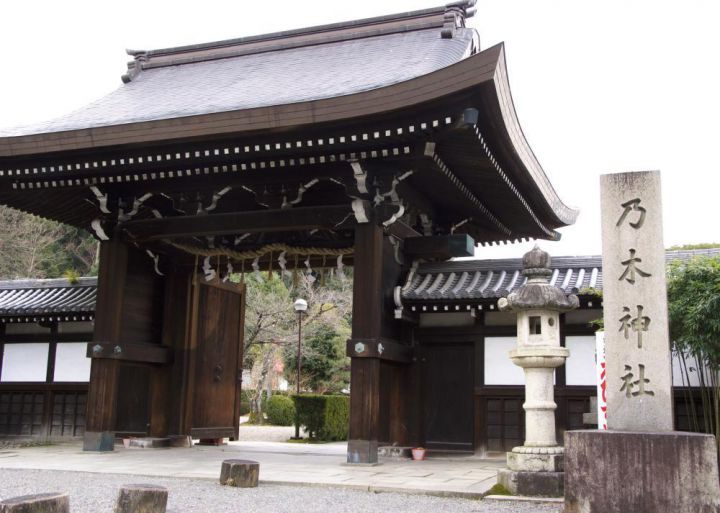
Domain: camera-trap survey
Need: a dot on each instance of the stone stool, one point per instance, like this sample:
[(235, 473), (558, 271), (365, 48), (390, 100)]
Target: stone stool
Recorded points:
[(240, 473), (142, 498), (40, 503)]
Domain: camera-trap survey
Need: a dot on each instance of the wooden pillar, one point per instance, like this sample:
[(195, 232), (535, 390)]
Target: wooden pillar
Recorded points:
[(366, 325), (176, 327), (102, 389)]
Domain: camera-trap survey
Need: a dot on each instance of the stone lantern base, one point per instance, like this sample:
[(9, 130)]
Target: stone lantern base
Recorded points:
[(530, 484), (534, 471)]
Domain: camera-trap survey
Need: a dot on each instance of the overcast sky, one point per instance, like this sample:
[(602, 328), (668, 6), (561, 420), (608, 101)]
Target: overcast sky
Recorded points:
[(599, 87)]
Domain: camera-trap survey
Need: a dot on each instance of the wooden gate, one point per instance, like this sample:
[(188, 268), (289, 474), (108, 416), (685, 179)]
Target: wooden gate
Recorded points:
[(215, 359), (448, 383)]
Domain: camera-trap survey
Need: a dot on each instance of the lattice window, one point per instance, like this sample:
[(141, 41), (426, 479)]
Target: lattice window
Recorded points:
[(68, 415), (21, 413), (505, 423)]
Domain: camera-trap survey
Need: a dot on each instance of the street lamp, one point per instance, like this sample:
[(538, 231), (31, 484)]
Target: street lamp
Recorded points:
[(300, 306)]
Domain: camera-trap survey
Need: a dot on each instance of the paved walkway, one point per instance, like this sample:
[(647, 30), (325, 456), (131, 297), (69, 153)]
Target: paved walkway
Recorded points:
[(280, 463)]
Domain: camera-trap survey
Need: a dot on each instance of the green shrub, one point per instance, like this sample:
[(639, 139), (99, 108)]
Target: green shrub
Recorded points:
[(325, 417), (280, 410), (245, 396), (244, 407)]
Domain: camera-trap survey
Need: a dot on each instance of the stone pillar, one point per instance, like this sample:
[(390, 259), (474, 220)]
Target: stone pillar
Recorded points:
[(639, 464), (535, 468)]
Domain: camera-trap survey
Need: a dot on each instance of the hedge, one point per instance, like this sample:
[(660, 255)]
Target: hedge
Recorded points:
[(280, 410), (246, 395), (324, 417)]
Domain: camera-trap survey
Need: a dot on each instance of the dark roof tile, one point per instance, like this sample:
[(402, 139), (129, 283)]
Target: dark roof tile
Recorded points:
[(41, 300), (272, 78), (468, 280)]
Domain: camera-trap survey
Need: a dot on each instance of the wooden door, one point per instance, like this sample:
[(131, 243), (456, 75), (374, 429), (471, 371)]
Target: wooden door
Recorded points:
[(215, 359), (448, 386)]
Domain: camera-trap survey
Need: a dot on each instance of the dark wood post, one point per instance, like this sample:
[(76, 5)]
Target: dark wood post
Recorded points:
[(366, 325), (102, 389)]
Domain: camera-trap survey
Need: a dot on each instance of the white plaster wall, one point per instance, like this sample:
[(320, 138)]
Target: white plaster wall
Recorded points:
[(580, 366), (690, 362), (71, 364), (499, 370), (25, 362)]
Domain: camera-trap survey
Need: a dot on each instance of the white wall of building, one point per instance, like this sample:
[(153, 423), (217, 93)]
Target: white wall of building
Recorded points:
[(499, 370), (71, 364), (25, 362), (580, 366)]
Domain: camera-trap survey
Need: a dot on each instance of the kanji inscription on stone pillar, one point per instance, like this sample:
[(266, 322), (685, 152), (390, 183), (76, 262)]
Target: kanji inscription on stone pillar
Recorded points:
[(637, 347)]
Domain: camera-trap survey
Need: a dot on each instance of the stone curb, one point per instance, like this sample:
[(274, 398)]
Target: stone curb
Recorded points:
[(382, 489), (521, 498)]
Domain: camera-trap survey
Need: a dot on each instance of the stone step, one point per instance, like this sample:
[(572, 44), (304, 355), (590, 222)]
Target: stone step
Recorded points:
[(395, 452), (146, 443)]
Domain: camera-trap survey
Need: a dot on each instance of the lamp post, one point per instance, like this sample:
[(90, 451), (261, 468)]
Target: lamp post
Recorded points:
[(300, 306)]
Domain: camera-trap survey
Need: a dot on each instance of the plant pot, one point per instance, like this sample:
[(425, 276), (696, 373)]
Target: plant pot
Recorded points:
[(418, 453)]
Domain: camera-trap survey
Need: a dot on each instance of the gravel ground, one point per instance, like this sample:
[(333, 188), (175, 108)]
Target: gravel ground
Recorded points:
[(96, 493), (265, 433)]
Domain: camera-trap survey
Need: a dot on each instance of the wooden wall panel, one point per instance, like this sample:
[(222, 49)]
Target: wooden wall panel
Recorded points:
[(132, 399), (169, 383), (215, 351)]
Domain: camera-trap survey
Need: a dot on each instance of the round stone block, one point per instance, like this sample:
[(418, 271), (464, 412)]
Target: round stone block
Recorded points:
[(41, 503), (142, 498), (240, 473)]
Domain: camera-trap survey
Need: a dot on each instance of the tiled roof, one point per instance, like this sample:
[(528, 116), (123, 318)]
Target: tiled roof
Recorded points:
[(271, 70), (47, 300), (473, 280)]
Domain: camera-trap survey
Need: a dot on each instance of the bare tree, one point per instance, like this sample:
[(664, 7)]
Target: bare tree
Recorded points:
[(32, 247), (271, 322)]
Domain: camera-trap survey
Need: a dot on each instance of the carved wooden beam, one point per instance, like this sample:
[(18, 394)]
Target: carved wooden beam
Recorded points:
[(292, 219)]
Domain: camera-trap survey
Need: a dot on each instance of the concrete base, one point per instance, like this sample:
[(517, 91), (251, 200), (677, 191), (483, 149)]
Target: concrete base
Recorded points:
[(641, 472), (180, 441), (532, 484), (98, 441), (395, 452), (362, 451), (149, 443), (532, 462)]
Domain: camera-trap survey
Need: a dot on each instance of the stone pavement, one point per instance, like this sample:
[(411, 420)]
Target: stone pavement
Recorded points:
[(280, 463)]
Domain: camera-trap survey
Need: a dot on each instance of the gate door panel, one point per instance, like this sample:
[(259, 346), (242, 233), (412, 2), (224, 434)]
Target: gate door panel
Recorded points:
[(448, 383), (215, 363)]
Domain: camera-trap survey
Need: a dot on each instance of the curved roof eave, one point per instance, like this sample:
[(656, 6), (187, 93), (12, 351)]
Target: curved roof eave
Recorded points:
[(520, 147), (481, 69)]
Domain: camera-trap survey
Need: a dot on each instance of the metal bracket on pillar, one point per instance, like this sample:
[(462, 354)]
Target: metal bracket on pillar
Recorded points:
[(381, 348)]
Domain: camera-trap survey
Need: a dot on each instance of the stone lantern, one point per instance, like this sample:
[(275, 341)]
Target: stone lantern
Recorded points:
[(536, 467)]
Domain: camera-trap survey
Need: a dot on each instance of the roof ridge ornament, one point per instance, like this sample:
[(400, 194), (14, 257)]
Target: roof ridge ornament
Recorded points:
[(135, 66), (455, 15)]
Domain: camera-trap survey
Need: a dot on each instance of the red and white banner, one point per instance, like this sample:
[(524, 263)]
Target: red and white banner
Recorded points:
[(601, 379)]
